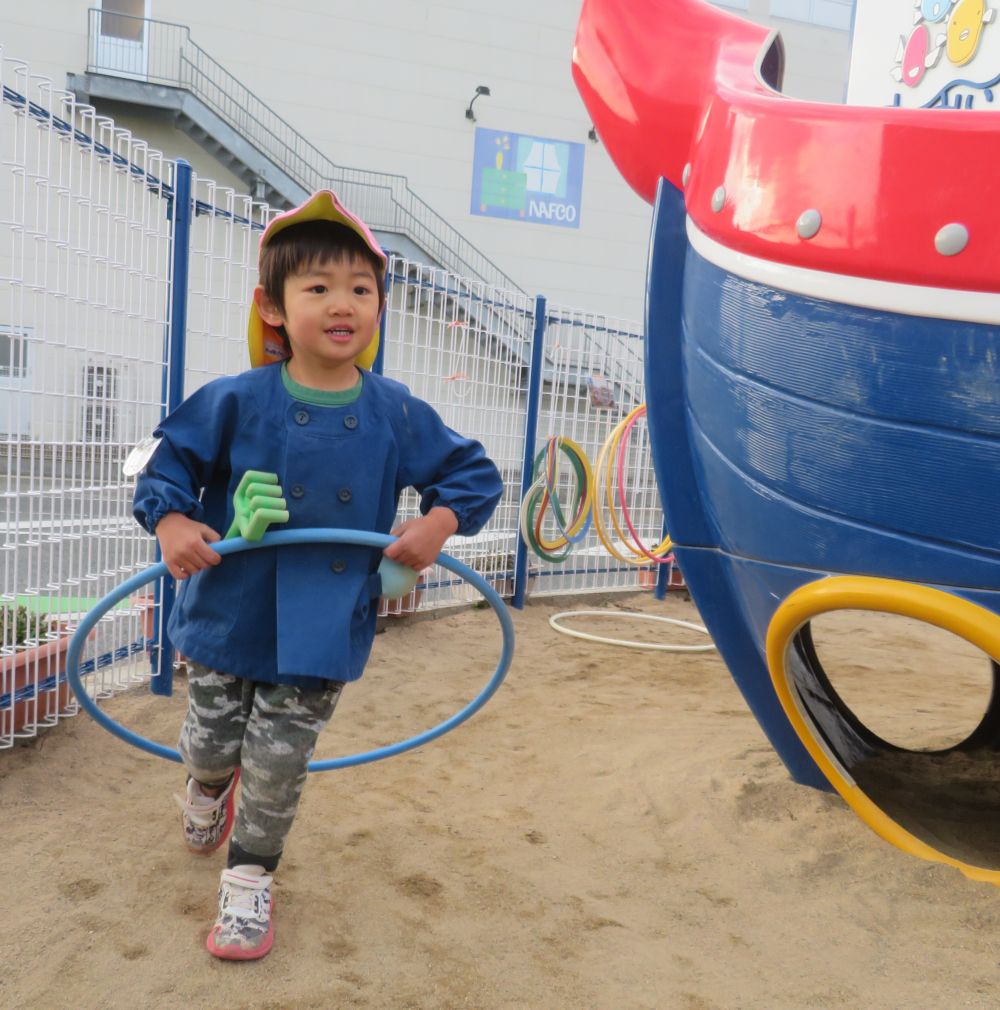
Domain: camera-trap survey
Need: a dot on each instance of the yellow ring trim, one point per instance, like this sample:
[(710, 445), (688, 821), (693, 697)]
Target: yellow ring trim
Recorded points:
[(975, 624)]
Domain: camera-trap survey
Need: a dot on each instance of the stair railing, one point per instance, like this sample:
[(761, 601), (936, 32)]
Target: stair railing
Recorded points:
[(162, 52)]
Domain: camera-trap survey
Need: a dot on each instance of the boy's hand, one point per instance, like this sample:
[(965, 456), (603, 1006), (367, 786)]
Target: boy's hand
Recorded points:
[(184, 545), (420, 540)]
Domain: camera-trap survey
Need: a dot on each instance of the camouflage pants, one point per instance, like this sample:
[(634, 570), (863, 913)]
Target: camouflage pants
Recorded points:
[(269, 731)]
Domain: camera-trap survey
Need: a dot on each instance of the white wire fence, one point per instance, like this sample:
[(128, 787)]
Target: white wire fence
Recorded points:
[(118, 296)]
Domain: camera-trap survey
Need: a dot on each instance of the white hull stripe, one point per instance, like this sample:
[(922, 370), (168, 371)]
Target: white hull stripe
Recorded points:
[(886, 296)]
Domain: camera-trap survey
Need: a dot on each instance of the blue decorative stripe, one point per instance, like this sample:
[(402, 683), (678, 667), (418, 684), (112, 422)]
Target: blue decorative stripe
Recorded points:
[(46, 684)]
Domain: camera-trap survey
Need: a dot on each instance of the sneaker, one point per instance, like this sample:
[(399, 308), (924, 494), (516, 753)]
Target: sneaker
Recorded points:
[(207, 820), (244, 930)]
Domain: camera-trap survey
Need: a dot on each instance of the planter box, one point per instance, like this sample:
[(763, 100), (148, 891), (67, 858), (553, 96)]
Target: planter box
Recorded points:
[(647, 577), (146, 606), (41, 666)]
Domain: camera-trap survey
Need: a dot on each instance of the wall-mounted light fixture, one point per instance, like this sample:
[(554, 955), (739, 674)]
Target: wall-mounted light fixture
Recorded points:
[(481, 89), (592, 134)]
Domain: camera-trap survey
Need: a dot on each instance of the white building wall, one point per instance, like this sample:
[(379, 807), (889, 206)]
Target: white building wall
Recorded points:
[(158, 131), (385, 86), (817, 55), (936, 55)]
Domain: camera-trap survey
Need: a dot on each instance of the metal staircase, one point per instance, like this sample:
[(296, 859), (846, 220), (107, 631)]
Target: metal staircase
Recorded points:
[(154, 64)]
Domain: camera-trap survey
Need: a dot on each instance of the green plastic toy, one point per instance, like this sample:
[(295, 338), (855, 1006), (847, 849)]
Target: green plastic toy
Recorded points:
[(258, 503)]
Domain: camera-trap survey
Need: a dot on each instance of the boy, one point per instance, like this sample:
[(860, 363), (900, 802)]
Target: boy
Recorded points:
[(271, 636)]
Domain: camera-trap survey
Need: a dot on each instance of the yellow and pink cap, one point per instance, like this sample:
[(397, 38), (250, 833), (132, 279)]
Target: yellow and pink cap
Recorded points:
[(264, 342)]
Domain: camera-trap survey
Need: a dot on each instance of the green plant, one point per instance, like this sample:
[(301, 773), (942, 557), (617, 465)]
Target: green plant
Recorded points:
[(25, 625)]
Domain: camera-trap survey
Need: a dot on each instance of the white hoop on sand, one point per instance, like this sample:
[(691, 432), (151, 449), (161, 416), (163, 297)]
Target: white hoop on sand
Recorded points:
[(553, 620)]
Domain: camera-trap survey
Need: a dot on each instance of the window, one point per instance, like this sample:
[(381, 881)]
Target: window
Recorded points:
[(542, 168), (99, 414), (824, 13), (13, 354), (122, 19)]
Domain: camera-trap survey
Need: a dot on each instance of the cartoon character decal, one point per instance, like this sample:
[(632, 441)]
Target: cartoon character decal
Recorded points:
[(964, 23), (915, 56), (932, 11), (965, 30)]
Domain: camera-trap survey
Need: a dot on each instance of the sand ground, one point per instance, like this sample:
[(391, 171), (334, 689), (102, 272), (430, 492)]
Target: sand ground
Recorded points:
[(612, 831)]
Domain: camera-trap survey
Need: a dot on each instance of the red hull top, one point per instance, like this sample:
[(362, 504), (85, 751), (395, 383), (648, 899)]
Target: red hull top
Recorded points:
[(893, 194)]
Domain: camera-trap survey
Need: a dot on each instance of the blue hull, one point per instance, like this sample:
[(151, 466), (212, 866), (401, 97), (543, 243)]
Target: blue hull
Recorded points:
[(796, 438)]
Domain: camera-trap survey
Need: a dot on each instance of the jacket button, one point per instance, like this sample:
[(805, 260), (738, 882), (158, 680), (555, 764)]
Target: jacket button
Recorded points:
[(350, 422), (301, 417), (297, 491), (338, 566), (344, 494)]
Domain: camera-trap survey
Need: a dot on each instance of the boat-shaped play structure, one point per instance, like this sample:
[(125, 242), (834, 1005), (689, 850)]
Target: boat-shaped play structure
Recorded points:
[(822, 366)]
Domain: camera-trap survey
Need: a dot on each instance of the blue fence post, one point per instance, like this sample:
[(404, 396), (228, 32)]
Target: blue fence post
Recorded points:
[(162, 656), (530, 437), (663, 572)]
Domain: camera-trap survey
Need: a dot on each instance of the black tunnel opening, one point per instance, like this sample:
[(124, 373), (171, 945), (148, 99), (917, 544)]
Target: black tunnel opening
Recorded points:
[(948, 798)]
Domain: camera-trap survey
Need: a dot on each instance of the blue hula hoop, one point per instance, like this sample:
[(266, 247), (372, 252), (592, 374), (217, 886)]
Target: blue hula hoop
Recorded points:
[(279, 539)]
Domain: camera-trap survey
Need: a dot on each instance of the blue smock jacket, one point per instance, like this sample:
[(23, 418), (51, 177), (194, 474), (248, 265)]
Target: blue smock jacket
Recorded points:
[(306, 610)]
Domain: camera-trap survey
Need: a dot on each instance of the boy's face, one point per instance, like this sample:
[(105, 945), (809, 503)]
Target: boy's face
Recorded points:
[(330, 314)]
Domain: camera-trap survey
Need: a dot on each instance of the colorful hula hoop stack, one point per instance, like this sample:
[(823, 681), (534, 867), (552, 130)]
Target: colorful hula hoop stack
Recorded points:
[(598, 490), (542, 498), (611, 491)]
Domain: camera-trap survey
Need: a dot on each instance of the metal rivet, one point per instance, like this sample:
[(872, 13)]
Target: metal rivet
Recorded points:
[(951, 239), (809, 223), (297, 491), (338, 566), (686, 174), (344, 494), (301, 417), (350, 421), (719, 199)]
